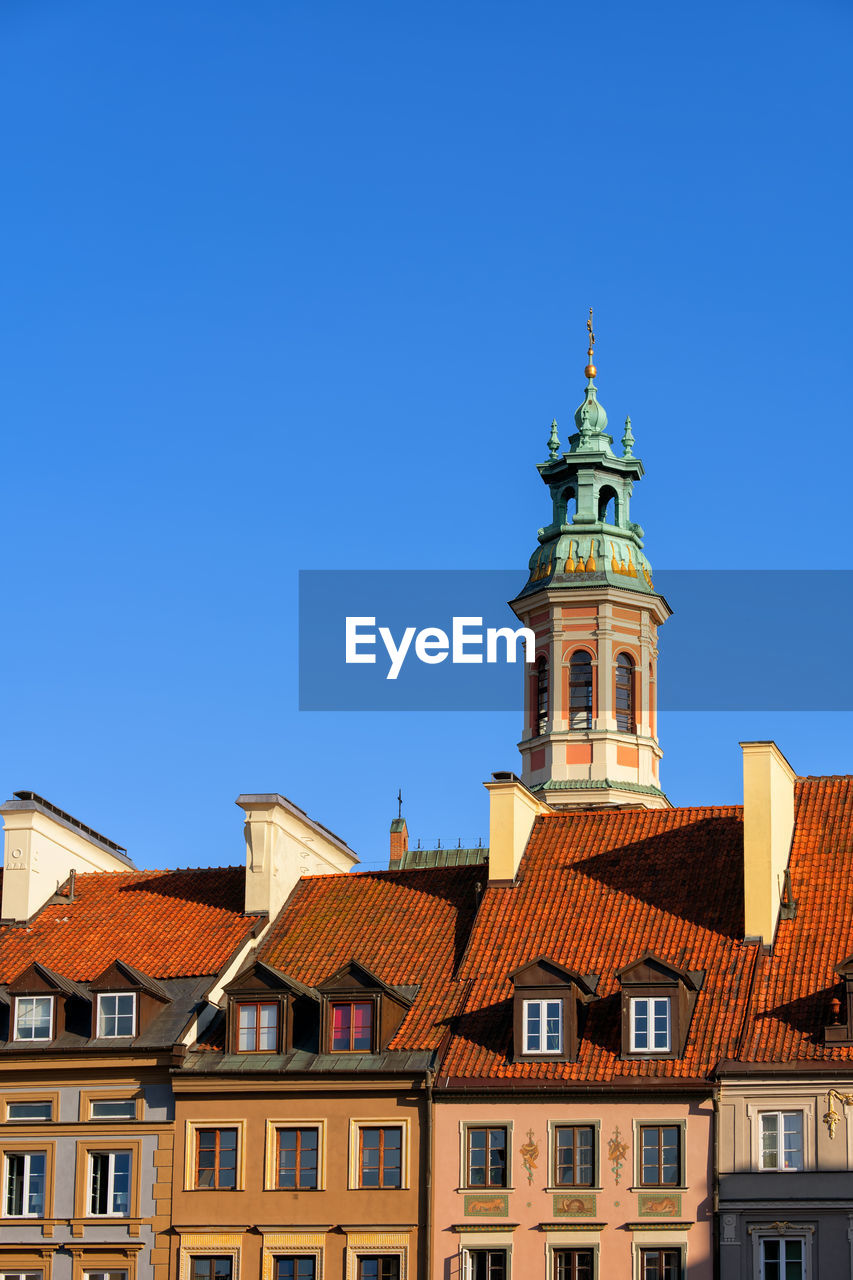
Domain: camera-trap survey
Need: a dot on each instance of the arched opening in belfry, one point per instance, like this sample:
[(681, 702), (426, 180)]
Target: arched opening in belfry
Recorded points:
[(567, 505), (608, 505)]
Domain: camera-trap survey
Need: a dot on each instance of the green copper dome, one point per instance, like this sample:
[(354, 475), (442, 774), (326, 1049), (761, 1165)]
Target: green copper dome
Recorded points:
[(591, 538)]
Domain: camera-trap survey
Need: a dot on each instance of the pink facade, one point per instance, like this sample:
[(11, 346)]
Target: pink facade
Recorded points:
[(617, 1223)]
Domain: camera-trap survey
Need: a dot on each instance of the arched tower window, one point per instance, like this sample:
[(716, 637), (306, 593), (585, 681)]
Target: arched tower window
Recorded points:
[(608, 505), (625, 722), (542, 697), (580, 690)]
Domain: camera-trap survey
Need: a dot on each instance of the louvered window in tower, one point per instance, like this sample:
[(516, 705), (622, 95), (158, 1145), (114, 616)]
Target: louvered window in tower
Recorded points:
[(542, 696), (625, 693), (580, 690)]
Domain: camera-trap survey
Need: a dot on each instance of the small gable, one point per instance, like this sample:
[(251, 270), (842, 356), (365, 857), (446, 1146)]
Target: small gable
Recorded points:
[(649, 970)]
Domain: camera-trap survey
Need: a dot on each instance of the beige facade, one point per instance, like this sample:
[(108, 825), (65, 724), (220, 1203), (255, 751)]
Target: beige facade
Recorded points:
[(337, 1221)]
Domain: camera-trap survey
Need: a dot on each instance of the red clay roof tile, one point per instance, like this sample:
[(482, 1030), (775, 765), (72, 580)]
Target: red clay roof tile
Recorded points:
[(169, 924)]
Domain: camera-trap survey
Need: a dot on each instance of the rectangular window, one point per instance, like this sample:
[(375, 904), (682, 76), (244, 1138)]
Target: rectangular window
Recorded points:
[(574, 1156), (782, 1259), (295, 1268), (112, 1109), (257, 1028), (216, 1159), (782, 1140), (380, 1160), (543, 1026), (573, 1264), (352, 1027), (104, 1275), (297, 1160), (660, 1155), (25, 1184), (29, 1111), (486, 1264), (650, 1025), (486, 1157), (21, 1275), (379, 1267), (117, 1015), (34, 1017), (208, 1268), (109, 1183), (660, 1264)]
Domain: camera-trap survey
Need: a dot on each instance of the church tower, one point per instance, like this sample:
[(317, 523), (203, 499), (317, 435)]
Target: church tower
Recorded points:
[(590, 703)]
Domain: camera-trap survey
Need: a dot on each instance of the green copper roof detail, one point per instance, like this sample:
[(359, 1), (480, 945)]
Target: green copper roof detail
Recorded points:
[(553, 443), (422, 859), (597, 784), (591, 539), (591, 422)]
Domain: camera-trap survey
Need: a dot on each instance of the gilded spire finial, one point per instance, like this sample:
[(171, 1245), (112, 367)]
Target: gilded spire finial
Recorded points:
[(590, 369)]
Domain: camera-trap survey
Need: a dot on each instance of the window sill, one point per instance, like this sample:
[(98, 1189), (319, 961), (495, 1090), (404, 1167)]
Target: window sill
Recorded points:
[(578, 1190), (483, 1191), (668, 1186)]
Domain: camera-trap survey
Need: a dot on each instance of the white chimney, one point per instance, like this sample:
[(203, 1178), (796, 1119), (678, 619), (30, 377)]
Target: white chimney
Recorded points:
[(768, 829), (41, 846), (512, 812), (282, 844)]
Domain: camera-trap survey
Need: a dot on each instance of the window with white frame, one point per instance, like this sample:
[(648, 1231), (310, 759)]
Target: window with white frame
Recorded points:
[(117, 1015), (104, 1275), (20, 1275), (651, 1024), (109, 1183), (112, 1109), (34, 1017), (486, 1264), (29, 1111), (781, 1140), (782, 1259), (25, 1184), (543, 1026)]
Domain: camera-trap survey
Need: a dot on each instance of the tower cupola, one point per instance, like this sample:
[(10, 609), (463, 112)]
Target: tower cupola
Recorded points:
[(591, 704)]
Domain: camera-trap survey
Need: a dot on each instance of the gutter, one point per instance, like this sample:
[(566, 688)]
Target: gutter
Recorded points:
[(430, 1155), (715, 1191)]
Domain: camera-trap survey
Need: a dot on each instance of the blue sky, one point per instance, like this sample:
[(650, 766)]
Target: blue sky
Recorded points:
[(301, 285)]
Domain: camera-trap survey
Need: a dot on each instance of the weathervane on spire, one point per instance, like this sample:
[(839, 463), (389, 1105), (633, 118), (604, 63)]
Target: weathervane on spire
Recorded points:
[(590, 369)]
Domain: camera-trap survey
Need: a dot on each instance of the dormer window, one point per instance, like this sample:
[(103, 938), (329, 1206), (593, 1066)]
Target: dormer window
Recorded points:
[(34, 1018), (651, 1024), (117, 1015), (352, 1026), (547, 1009), (658, 1000), (543, 1026), (257, 1027)]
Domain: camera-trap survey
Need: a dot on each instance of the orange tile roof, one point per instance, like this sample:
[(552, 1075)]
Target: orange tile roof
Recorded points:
[(408, 927), (794, 986), (595, 890), (169, 924)]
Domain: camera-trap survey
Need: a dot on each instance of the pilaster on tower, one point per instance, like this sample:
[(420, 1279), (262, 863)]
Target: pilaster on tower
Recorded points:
[(590, 701)]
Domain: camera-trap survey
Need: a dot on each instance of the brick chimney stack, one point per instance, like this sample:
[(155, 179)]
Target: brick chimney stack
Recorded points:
[(399, 843)]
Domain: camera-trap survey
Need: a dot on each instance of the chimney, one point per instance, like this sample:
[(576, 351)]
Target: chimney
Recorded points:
[(282, 844), (512, 810), (399, 843), (42, 845), (768, 829)]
